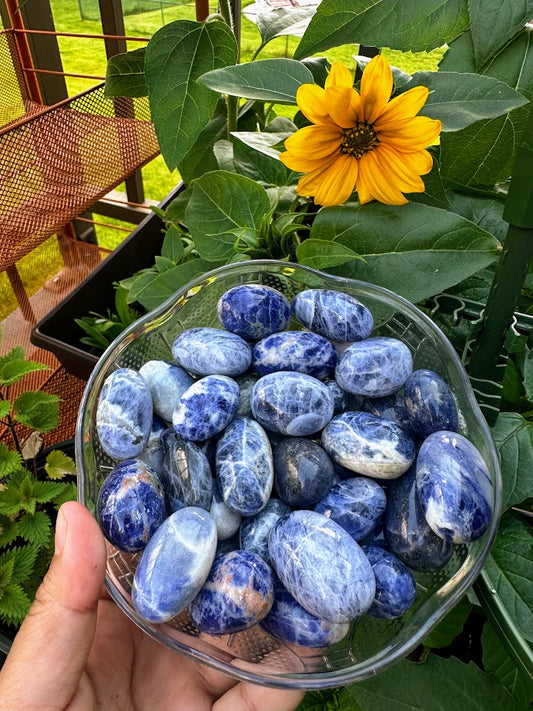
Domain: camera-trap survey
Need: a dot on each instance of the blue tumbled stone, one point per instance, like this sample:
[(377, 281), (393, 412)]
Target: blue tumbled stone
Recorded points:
[(124, 414), (254, 530), (321, 566), (167, 383), (301, 351), (368, 445), (130, 505), (254, 311), (408, 533), (454, 487), (291, 403), (355, 504), (338, 395), (389, 407), (226, 520), (245, 472), (395, 585), (152, 454), (429, 403), (374, 367), (289, 622), (333, 314), (186, 474), (237, 594), (211, 351), (206, 408), (246, 383), (303, 472), (174, 565)]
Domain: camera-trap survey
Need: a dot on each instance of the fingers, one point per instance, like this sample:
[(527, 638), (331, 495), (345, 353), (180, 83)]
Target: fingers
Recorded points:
[(249, 697), (46, 662)]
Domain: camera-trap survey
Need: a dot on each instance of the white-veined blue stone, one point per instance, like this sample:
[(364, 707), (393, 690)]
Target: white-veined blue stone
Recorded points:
[(301, 351), (333, 314), (321, 566), (124, 414), (389, 407), (167, 383), (395, 585), (226, 520), (152, 454), (368, 445), (246, 383), (374, 367), (429, 403), (245, 472), (338, 395), (254, 311), (454, 487), (186, 474), (211, 351), (206, 408), (174, 565), (254, 530), (291, 403), (303, 472)]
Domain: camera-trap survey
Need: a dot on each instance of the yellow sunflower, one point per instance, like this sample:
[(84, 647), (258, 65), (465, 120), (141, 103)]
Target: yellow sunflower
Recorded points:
[(362, 141)]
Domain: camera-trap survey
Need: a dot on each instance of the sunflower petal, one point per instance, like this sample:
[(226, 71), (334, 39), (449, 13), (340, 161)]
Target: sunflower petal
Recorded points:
[(403, 106), (411, 134), (314, 141), (400, 173), (344, 105), (311, 100), (376, 87), (333, 183), (377, 182), (339, 75), (299, 164)]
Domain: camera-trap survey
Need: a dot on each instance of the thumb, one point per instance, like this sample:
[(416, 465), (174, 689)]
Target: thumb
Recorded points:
[(48, 656)]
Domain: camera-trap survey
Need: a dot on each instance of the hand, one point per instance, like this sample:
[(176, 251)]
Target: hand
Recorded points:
[(76, 651)]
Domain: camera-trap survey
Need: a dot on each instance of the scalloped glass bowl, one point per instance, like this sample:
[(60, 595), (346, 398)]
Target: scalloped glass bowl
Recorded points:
[(372, 644)]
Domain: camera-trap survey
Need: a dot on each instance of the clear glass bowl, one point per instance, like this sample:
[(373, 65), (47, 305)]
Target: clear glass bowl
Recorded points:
[(372, 644)]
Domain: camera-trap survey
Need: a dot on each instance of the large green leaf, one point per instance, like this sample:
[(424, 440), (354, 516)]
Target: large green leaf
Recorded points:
[(494, 23), (417, 25), (510, 570), (461, 99), (322, 254), (498, 662), (450, 626), (415, 250), (266, 80), (513, 435), (125, 74), (151, 289), (176, 56), (484, 211), (200, 158), (37, 410), (278, 21), (254, 164)]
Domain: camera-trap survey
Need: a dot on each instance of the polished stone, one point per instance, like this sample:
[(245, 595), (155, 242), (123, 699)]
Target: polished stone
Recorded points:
[(429, 403), (389, 407), (186, 542), (167, 383), (244, 467), (246, 383), (152, 454), (226, 520), (206, 408), (289, 622), (211, 351), (333, 314), (186, 475), (238, 593), (124, 414), (374, 367), (454, 487), (254, 311), (303, 472), (130, 505), (368, 445), (356, 504), (300, 351), (293, 404), (254, 530), (338, 395), (395, 585), (321, 566)]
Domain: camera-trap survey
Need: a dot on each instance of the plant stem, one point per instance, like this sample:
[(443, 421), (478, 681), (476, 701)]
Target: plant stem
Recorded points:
[(225, 11)]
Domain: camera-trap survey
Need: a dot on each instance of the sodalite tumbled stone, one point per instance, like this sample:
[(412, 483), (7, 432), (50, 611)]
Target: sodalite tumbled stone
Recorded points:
[(368, 445), (301, 351), (374, 367), (227, 521), (254, 530), (254, 311), (185, 543), (321, 566), (167, 383), (355, 504), (246, 383), (130, 505), (395, 585), (206, 408), (303, 472), (338, 395), (429, 403), (211, 351), (389, 407), (454, 487), (245, 471), (293, 404), (290, 622), (186, 474), (333, 314), (238, 593), (152, 454), (124, 414)]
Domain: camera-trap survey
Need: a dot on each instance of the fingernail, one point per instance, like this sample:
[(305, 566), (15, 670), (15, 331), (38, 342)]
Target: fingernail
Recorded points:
[(61, 532)]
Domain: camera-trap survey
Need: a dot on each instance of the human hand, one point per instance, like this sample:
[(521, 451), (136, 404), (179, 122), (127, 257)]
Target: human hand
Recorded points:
[(77, 651)]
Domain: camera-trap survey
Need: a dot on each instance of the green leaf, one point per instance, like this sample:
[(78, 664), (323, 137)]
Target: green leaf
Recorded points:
[(125, 74), (69, 492), (484, 211), (510, 569), (267, 80), (461, 99), (8, 530), (10, 460), (175, 211), (262, 141), (322, 254), (47, 491), (14, 605), (200, 158), (37, 410), (494, 24), (176, 56), (443, 684), (225, 211), (17, 494), (415, 250), (258, 166), (278, 21), (513, 436), (172, 247), (5, 408), (163, 264), (419, 25), (498, 662), (23, 559), (35, 528), (448, 629), (59, 465), (13, 370), (434, 193), (155, 288)]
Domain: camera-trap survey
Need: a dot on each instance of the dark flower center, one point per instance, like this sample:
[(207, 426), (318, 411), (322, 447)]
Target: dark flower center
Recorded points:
[(358, 140)]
